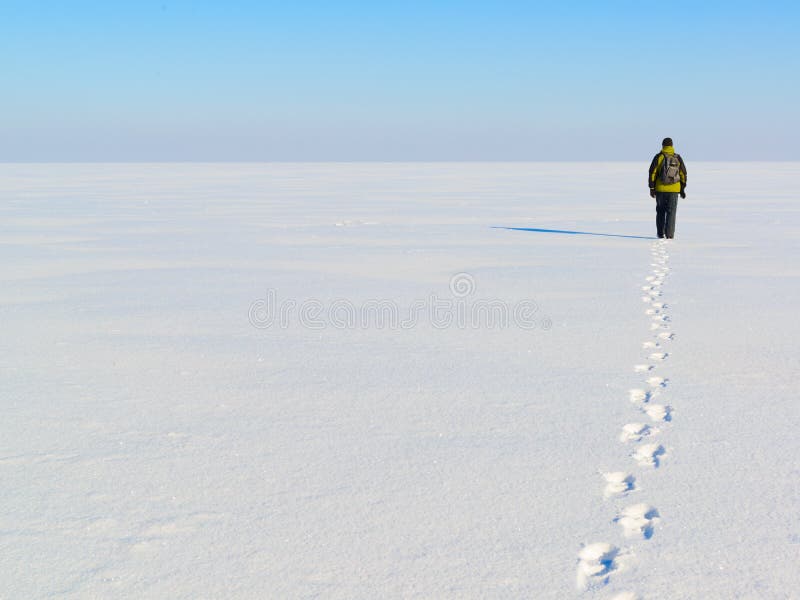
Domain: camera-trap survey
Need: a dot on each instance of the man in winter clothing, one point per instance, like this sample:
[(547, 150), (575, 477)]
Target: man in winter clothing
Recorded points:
[(667, 179)]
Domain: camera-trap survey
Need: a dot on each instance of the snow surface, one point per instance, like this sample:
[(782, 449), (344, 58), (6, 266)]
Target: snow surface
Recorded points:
[(156, 444)]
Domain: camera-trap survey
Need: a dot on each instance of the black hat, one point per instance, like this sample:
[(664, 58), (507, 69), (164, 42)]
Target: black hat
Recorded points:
[(667, 142)]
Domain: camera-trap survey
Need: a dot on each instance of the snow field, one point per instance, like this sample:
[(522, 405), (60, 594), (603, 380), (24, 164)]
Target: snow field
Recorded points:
[(156, 443)]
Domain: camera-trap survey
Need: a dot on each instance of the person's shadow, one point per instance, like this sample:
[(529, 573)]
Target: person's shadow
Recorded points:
[(564, 231)]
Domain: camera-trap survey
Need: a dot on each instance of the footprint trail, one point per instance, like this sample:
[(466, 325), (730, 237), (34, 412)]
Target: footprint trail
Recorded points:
[(599, 561)]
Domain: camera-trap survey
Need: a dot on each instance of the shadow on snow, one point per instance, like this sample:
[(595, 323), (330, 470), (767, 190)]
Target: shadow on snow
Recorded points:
[(537, 230)]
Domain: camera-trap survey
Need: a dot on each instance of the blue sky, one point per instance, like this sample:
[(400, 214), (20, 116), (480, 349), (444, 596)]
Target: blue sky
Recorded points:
[(241, 80)]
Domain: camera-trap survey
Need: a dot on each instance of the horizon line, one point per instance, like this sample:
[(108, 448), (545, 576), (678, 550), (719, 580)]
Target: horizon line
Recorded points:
[(377, 161)]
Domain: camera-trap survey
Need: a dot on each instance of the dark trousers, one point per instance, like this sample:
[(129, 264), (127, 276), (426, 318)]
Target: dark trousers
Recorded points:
[(666, 208)]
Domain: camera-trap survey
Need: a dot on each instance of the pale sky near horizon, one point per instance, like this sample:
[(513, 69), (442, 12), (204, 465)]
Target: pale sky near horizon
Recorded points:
[(246, 80)]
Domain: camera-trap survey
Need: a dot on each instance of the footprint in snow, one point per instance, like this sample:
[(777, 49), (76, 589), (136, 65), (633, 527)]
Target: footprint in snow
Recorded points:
[(638, 520), (656, 381), (649, 345), (618, 483), (643, 368), (658, 356), (638, 395), (666, 335), (649, 455), (660, 318), (595, 563), (658, 412), (634, 432)]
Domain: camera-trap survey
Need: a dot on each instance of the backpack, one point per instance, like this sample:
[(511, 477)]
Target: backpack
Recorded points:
[(670, 169)]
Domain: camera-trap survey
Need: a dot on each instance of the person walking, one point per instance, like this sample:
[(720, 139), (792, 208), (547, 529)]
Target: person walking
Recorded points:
[(667, 180)]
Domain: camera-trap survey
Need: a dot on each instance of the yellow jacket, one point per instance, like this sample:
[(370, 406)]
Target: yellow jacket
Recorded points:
[(655, 170)]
